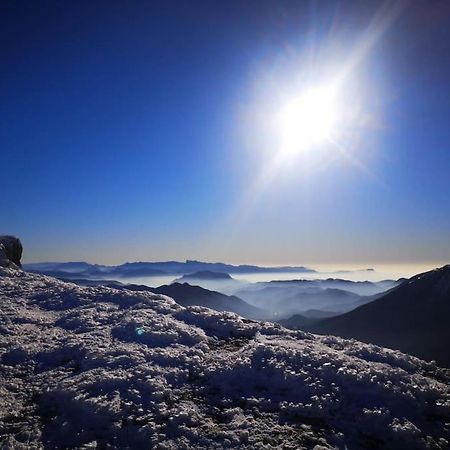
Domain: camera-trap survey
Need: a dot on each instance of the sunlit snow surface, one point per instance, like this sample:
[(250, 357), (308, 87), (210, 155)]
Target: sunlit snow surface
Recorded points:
[(98, 367)]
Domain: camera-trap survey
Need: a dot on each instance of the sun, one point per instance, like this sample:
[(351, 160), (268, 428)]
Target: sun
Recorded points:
[(308, 120)]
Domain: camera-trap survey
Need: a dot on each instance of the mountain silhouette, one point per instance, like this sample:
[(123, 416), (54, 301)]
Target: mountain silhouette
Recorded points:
[(140, 269), (186, 295), (206, 275), (413, 317)]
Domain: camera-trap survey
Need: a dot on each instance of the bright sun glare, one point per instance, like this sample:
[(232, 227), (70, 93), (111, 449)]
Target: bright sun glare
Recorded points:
[(308, 120)]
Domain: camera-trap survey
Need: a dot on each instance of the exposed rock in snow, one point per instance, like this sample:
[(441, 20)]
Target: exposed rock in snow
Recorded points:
[(10, 252), (99, 367)]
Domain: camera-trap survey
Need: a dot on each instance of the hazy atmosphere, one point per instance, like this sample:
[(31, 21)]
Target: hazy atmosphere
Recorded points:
[(149, 131)]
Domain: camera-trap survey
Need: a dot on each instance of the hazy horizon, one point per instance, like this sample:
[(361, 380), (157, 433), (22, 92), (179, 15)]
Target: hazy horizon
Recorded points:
[(329, 265), (356, 272)]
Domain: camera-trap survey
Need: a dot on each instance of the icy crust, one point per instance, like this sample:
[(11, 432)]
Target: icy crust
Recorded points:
[(98, 367)]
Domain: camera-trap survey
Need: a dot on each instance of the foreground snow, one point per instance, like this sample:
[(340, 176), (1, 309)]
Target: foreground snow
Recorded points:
[(98, 367)]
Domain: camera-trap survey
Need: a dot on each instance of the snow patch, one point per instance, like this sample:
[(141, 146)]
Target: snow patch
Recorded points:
[(99, 367)]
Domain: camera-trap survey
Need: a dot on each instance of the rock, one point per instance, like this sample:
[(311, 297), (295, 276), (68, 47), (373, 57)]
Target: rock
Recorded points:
[(10, 252)]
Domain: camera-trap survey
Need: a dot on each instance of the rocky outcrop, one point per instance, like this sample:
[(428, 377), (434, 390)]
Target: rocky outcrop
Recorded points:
[(10, 252)]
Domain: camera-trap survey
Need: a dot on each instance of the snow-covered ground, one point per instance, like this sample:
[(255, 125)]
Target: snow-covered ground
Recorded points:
[(99, 367)]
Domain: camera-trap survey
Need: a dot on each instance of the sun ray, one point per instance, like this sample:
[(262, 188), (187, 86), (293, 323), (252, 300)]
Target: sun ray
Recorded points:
[(315, 117)]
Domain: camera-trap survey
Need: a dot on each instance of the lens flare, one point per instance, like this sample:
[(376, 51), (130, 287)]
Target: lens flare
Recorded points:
[(308, 120)]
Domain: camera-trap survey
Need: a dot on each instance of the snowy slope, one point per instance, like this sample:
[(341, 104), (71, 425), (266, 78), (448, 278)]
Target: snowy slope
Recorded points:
[(98, 367)]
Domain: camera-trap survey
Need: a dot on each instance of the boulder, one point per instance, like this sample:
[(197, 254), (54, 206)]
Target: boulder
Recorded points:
[(10, 252)]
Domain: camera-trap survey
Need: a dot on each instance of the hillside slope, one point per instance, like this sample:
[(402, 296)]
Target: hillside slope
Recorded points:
[(100, 367), (414, 318), (187, 295)]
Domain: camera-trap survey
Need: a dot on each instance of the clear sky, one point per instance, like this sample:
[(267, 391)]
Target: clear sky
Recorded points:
[(137, 130)]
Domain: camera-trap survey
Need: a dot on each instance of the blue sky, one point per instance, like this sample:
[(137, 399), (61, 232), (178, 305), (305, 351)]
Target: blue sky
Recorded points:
[(137, 131)]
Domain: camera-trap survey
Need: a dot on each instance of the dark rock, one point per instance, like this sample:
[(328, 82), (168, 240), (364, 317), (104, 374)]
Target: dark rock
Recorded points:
[(10, 252)]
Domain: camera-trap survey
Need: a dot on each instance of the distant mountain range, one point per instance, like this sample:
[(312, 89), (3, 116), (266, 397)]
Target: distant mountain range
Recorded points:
[(214, 281), (187, 295), (408, 315), (206, 275), (274, 300), (140, 269), (413, 317), (357, 287), (286, 298), (309, 302)]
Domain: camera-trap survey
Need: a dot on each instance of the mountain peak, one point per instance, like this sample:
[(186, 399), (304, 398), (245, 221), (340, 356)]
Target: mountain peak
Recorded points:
[(436, 282), (206, 275)]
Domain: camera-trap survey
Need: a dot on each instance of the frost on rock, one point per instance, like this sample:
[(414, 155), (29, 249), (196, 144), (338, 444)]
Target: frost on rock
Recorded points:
[(103, 368)]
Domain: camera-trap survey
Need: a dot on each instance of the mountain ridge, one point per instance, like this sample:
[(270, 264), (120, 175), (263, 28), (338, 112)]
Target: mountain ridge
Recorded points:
[(168, 263), (412, 317), (164, 267), (206, 275)]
